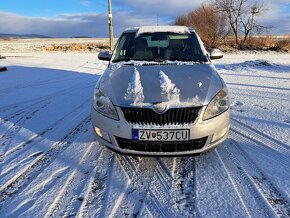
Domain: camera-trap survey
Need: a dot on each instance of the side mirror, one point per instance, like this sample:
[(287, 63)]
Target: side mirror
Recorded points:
[(215, 53), (104, 55)]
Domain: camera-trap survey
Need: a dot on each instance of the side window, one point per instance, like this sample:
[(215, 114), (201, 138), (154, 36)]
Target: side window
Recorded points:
[(124, 46), (195, 46), (122, 43)]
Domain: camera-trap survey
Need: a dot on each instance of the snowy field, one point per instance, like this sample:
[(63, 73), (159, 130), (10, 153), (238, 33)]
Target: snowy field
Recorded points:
[(50, 164)]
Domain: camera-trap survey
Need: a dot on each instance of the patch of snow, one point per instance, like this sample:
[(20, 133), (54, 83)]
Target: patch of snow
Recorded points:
[(236, 103), (169, 91), (258, 63), (132, 28), (116, 66), (192, 102), (165, 29), (135, 89)]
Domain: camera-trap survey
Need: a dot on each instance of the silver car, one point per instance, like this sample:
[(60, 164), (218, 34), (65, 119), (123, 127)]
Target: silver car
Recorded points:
[(160, 94)]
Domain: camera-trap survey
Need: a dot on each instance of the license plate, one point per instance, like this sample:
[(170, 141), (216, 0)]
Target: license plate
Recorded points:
[(160, 135)]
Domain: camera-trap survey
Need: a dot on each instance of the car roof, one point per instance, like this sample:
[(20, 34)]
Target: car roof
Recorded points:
[(152, 29)]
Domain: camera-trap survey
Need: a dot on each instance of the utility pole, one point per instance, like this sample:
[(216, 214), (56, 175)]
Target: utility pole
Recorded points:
[(110, 24)]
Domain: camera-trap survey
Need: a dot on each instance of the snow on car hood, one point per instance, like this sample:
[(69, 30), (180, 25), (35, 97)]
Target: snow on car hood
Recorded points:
[(177, 85)]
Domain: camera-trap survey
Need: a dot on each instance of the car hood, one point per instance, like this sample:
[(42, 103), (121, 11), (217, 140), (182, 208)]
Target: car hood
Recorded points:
[(178, 85)]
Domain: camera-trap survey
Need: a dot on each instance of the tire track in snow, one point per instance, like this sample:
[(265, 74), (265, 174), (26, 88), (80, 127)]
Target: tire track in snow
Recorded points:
[(24, 110), (259, 137), (77, 208), (130, 166), (94, 198), (46, 131), (258, 194), (270, 192), (139, 193), (33, 195), (184, 186), (163, 176), (160, 191), (107, 188), (70, 197), (15, 127), (50, 128), (41, 162), (165, 169), (14, 152)]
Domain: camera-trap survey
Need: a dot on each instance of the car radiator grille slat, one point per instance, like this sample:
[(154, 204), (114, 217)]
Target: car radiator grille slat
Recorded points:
[(173, 116)]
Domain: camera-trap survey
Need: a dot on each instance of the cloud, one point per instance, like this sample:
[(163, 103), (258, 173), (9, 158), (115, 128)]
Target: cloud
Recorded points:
[(68, 25), (162, 8), (127, 13), (277, 16)]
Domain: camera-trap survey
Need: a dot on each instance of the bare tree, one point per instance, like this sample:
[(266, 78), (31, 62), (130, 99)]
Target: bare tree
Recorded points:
[(249, 23), (242, 17), (207, 21)]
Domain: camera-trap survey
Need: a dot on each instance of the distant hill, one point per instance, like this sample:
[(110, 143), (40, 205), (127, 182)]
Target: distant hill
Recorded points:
[(81, 37), (25, 36)]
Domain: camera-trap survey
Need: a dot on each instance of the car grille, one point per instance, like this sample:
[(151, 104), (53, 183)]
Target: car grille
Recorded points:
[(148, 116), (152, 146)]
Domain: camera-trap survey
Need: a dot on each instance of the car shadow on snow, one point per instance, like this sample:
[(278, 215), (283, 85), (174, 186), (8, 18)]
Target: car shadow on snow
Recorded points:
[(42, 103)]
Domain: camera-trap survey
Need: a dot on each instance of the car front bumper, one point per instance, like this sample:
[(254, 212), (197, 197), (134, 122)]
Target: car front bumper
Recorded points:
[(109, 132)]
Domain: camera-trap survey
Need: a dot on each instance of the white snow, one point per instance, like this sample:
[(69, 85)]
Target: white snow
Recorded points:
[(169, 91), (51, 165), (118, 65), (166, 29), (135, 89)]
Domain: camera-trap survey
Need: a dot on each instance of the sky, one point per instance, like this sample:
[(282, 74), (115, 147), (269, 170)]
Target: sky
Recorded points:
[(70, 18)]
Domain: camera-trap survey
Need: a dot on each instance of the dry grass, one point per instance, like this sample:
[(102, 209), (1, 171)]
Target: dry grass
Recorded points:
[(282, 45), (77, 47), (261, 43), (268, 43), (6, 39)]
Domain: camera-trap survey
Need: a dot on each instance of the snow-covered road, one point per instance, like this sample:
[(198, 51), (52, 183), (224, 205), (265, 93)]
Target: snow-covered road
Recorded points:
[(50, 164)]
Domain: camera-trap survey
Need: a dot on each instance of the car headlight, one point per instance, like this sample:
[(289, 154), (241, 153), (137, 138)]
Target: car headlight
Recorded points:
[(218, 105), (104, 106)]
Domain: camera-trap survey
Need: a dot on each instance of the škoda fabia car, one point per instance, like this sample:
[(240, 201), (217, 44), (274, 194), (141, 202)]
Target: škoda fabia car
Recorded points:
[(160, 94)]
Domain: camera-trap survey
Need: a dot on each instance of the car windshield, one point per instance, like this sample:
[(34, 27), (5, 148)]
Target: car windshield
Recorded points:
[(159, 47)]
